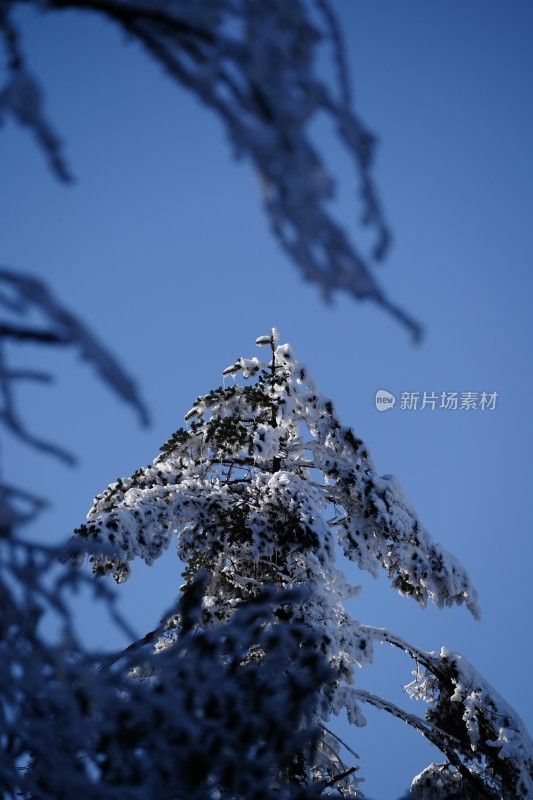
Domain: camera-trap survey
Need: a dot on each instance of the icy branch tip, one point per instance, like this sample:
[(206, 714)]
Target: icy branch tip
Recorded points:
[(231, 369)]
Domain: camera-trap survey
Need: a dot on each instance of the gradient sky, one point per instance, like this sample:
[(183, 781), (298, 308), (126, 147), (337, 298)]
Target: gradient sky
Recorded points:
[(162, 247)]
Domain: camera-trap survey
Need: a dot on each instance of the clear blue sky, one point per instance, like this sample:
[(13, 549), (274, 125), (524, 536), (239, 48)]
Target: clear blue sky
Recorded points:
[(162, 247)]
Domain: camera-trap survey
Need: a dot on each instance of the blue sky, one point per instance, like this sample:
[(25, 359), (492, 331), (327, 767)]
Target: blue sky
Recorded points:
[(162, 247)]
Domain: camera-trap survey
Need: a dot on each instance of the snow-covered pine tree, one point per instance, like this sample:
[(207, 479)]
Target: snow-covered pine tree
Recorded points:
[(258, 489)]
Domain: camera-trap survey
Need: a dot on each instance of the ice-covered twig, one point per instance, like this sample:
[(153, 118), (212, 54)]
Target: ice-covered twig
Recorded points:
[(23, 294), (22, 97)]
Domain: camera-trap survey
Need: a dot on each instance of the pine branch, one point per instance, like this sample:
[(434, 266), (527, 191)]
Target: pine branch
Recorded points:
[(446, 743), (336, 778), (253, 102)]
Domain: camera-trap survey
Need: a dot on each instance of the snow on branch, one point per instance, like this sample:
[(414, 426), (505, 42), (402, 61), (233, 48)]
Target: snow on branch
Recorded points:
[(256, 66), (482, 736)]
